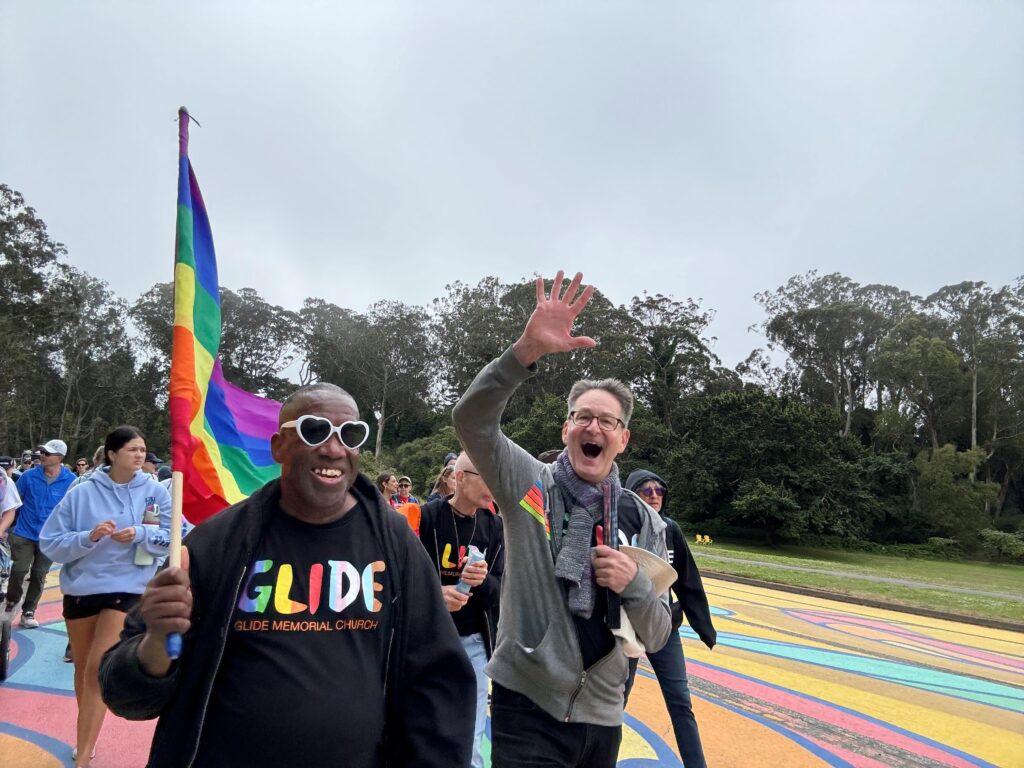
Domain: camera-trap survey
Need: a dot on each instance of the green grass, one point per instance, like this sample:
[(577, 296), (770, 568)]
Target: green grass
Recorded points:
[(936, 573)]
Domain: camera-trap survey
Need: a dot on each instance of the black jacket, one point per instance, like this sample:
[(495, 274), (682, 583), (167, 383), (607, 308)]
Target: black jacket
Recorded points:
[(428, 679), (688, 590), (488, 593)]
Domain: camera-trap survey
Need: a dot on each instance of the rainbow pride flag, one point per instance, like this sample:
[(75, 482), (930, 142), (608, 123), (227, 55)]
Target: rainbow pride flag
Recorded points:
[(220, 434)]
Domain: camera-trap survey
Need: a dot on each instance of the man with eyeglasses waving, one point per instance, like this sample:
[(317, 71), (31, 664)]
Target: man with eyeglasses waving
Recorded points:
[(314, 631), (558, 670)]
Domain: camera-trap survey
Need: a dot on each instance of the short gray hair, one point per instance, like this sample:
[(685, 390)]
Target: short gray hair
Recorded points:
[(613, 387)]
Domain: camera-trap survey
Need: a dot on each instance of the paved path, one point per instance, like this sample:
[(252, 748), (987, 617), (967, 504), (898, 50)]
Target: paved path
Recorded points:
[(865, 577), (795, 682)]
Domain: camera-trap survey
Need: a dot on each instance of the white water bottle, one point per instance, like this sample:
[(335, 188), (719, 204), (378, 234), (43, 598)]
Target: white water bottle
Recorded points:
[(151, 518), (475, 556)]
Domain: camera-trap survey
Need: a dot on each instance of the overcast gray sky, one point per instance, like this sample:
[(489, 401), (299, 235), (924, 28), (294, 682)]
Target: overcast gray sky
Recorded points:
[(356, 151)]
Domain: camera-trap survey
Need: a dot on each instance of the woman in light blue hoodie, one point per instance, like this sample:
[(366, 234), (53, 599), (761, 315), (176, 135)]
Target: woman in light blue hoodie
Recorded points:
[(110, 532)]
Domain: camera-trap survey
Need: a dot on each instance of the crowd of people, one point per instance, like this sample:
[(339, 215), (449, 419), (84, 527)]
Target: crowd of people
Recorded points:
[(109, 535), (330, 620)]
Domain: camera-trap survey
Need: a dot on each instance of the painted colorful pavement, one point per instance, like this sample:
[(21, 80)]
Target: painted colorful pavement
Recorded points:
[(795, 681)]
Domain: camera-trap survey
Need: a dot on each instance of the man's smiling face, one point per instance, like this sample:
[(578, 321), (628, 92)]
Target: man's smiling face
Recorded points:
[(315, 481), (593, 450)]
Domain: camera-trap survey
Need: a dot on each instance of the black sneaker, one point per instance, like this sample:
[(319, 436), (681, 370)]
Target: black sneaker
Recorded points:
[(67, 654)]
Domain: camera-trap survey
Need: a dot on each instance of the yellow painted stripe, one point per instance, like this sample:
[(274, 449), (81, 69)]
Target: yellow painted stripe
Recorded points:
[(997, 745)]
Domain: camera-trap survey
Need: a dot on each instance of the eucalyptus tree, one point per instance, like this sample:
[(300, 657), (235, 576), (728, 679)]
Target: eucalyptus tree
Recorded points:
[(976, 317), (92, 358), (671, 351), (918, 358), (29, 260), (828, 332), (383, 358), (258, 340), (474, 324)]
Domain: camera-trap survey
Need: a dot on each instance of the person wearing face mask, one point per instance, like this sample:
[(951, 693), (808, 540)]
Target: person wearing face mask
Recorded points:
[(313, 630), (689, 598), (558, 669)]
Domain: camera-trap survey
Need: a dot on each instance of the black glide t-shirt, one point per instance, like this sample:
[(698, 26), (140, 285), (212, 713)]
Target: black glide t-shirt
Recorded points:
[(301, 680), (455, 532), (596, 640)]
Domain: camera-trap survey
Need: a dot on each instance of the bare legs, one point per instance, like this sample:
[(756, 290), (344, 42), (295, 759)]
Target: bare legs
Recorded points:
[(90, 639)]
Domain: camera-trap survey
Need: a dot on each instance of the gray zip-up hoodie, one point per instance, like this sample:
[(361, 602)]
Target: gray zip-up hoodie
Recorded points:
[(538, 651)]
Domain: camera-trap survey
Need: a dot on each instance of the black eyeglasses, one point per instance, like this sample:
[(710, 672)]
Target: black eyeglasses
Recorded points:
[(405, 485), (316, 430), (584, 419), (652, 492)]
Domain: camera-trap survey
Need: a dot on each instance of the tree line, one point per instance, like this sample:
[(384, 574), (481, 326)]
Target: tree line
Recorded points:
[(893, 419)]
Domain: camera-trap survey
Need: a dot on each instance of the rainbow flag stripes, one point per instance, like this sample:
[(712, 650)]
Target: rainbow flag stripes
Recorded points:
[(533, 502), (220, 434)]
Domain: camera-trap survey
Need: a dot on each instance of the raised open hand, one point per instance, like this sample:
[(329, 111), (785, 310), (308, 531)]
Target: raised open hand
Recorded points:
[(549, 328)]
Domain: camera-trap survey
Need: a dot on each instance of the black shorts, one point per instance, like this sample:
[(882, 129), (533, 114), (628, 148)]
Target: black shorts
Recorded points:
[(84, 606)]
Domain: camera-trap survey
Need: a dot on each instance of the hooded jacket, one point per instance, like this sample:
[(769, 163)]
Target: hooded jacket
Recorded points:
[(428, 679), (538, 650), (38, 499), (97, 567), (688, 588)]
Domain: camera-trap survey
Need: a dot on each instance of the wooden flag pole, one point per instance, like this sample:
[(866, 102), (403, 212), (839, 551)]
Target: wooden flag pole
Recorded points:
[(174, 552)]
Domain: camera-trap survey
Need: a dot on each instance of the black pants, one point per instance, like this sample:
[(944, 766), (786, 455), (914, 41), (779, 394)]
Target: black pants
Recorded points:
[(28, 560), (525, 736)]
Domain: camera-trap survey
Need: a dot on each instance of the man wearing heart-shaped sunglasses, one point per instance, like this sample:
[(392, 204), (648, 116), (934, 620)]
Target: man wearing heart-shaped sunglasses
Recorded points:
[(323, 638)]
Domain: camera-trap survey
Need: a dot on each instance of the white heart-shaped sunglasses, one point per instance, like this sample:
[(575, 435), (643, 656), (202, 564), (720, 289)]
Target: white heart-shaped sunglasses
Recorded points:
[(316, 430)]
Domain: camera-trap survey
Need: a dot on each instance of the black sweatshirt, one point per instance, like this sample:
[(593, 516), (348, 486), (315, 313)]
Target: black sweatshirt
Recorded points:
[(688, 589), (427, 680), (446, 536)]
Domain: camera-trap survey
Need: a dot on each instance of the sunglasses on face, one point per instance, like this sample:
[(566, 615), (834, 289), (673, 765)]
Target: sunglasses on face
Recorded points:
[(652, 492), (45, 453), (405, 485), (316, 430)]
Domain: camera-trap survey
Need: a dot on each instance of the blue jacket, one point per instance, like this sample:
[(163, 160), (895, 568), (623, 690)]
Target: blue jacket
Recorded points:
[(38, 498), (98, 567)]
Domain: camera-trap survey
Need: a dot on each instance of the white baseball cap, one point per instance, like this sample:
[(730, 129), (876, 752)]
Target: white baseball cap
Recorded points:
[(55, 446)]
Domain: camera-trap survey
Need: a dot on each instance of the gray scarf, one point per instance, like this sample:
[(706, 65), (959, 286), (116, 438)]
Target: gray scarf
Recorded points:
[(587, 504)]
